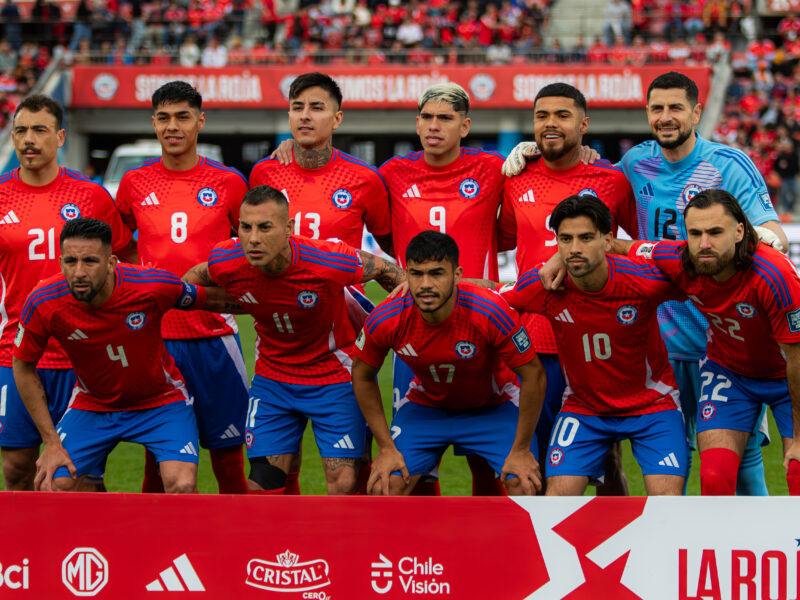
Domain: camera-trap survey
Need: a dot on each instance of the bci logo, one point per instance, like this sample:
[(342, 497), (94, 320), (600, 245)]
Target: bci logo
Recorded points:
[(15, 577)]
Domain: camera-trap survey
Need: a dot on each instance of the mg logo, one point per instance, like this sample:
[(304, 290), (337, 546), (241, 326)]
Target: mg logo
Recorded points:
[(84, 572)]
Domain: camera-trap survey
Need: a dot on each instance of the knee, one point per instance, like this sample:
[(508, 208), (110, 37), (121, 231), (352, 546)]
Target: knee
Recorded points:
[(18, 474), (265, 475), (65, 484), (184, 484), (342, 481), (514, 486), (718, 471)]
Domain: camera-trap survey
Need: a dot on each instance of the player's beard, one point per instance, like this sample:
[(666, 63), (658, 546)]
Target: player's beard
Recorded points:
[(683, 135), (715, 267), (84, 295), (552, 154), (581, 269), (432, 309)]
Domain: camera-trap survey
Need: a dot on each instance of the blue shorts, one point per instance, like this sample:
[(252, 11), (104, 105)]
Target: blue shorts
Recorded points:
[(553, 399), (17, 429), (279, 411), (423, 433), (579, 443), (732, 401), (169, 432), (402, 376), (217, 378)]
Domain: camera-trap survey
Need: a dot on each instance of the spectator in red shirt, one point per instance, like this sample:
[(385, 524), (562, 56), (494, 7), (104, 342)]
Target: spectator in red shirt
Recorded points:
[(789, 27), (598, 52)]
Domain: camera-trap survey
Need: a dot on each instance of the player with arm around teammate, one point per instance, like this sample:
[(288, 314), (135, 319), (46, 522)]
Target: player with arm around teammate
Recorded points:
[(750, 294), (36, 201), (294, 288), (619, 382), (107, 316), (460, 340)]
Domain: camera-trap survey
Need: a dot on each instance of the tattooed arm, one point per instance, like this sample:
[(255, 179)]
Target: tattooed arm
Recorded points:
[(217, 299), (386, 273), (33, 396)]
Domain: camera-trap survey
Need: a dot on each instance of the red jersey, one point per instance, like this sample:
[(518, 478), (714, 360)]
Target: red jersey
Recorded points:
[(609, 345), (181, 216), (333, 202), (459, 363), (116, 349), (31, 219), (459, 199), (304, 335), (748, 314), (529, 199)]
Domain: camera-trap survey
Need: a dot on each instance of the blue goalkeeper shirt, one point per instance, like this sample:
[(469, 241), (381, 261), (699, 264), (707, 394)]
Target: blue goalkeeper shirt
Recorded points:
[(663, 189)]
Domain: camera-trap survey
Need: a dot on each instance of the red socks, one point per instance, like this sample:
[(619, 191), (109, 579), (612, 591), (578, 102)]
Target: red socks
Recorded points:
[(228, 466), (718, 471), (152, 483), (292, 487), (484, 482), (793, 478)]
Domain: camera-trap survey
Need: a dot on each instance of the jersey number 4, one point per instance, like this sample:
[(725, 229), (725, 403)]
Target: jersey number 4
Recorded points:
[(118, 355)]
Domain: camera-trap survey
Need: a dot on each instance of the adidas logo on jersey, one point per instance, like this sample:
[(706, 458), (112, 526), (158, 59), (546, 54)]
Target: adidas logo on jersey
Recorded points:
[(669, 461), (77, 335), (180, 577), (189, 449), (248, 298), (526, 197), (407, 350), (150, 200), (345, 443), (9, 218), (230, 432), (564, 316), (412, 192)]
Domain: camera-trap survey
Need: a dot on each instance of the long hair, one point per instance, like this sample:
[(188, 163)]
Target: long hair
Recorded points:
[(745, 249)]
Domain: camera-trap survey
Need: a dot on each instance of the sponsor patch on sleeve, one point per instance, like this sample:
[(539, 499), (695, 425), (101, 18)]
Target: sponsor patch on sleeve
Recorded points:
[(645, 250), (507, 287), (20, 333), (360, 340), (521, 340), (794, 320), (765, 201), (188, 296)]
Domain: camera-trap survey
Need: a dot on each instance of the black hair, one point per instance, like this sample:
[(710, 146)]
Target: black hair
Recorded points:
[(37, 102), (432, 245), (177, 91), (562, 90), (309, 80), (673, 80), (582, 206), (265, 193), (88, 229)]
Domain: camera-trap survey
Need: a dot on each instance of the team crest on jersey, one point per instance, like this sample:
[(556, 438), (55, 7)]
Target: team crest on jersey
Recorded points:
[(521, 340), (466, 349), (342, 198), (588, 192), (249, 438), (794, 320), (207, 197), (689, 192), (307, 299), (20, 334), (746, 310), (469, 188), (70, 211), (765, 201), (707, 411), (556, 456), (135, 320), (627, 314)]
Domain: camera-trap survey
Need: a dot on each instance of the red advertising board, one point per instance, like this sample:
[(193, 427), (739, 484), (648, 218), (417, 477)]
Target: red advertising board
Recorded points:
[(121, 546), (399, 87)]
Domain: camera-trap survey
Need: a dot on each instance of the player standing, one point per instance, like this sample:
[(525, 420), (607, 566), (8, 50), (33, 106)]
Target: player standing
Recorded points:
[(294, 287), (619, 381), (183, 204), (107, 316), (665, 174), (750, 293), (452, 190), (38, 198), (460, 341), (559, 123)]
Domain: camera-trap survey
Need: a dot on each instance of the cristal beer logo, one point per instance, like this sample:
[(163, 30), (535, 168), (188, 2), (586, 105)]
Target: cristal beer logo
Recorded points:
[(287, 574)]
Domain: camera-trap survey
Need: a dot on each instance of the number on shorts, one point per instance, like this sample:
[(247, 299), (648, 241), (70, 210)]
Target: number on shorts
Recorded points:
[(120, 354), (448, 378), (179, 232), (564, 431), (723, 383), (437, 218), (312, 221), (396, 431), (3, 397)]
